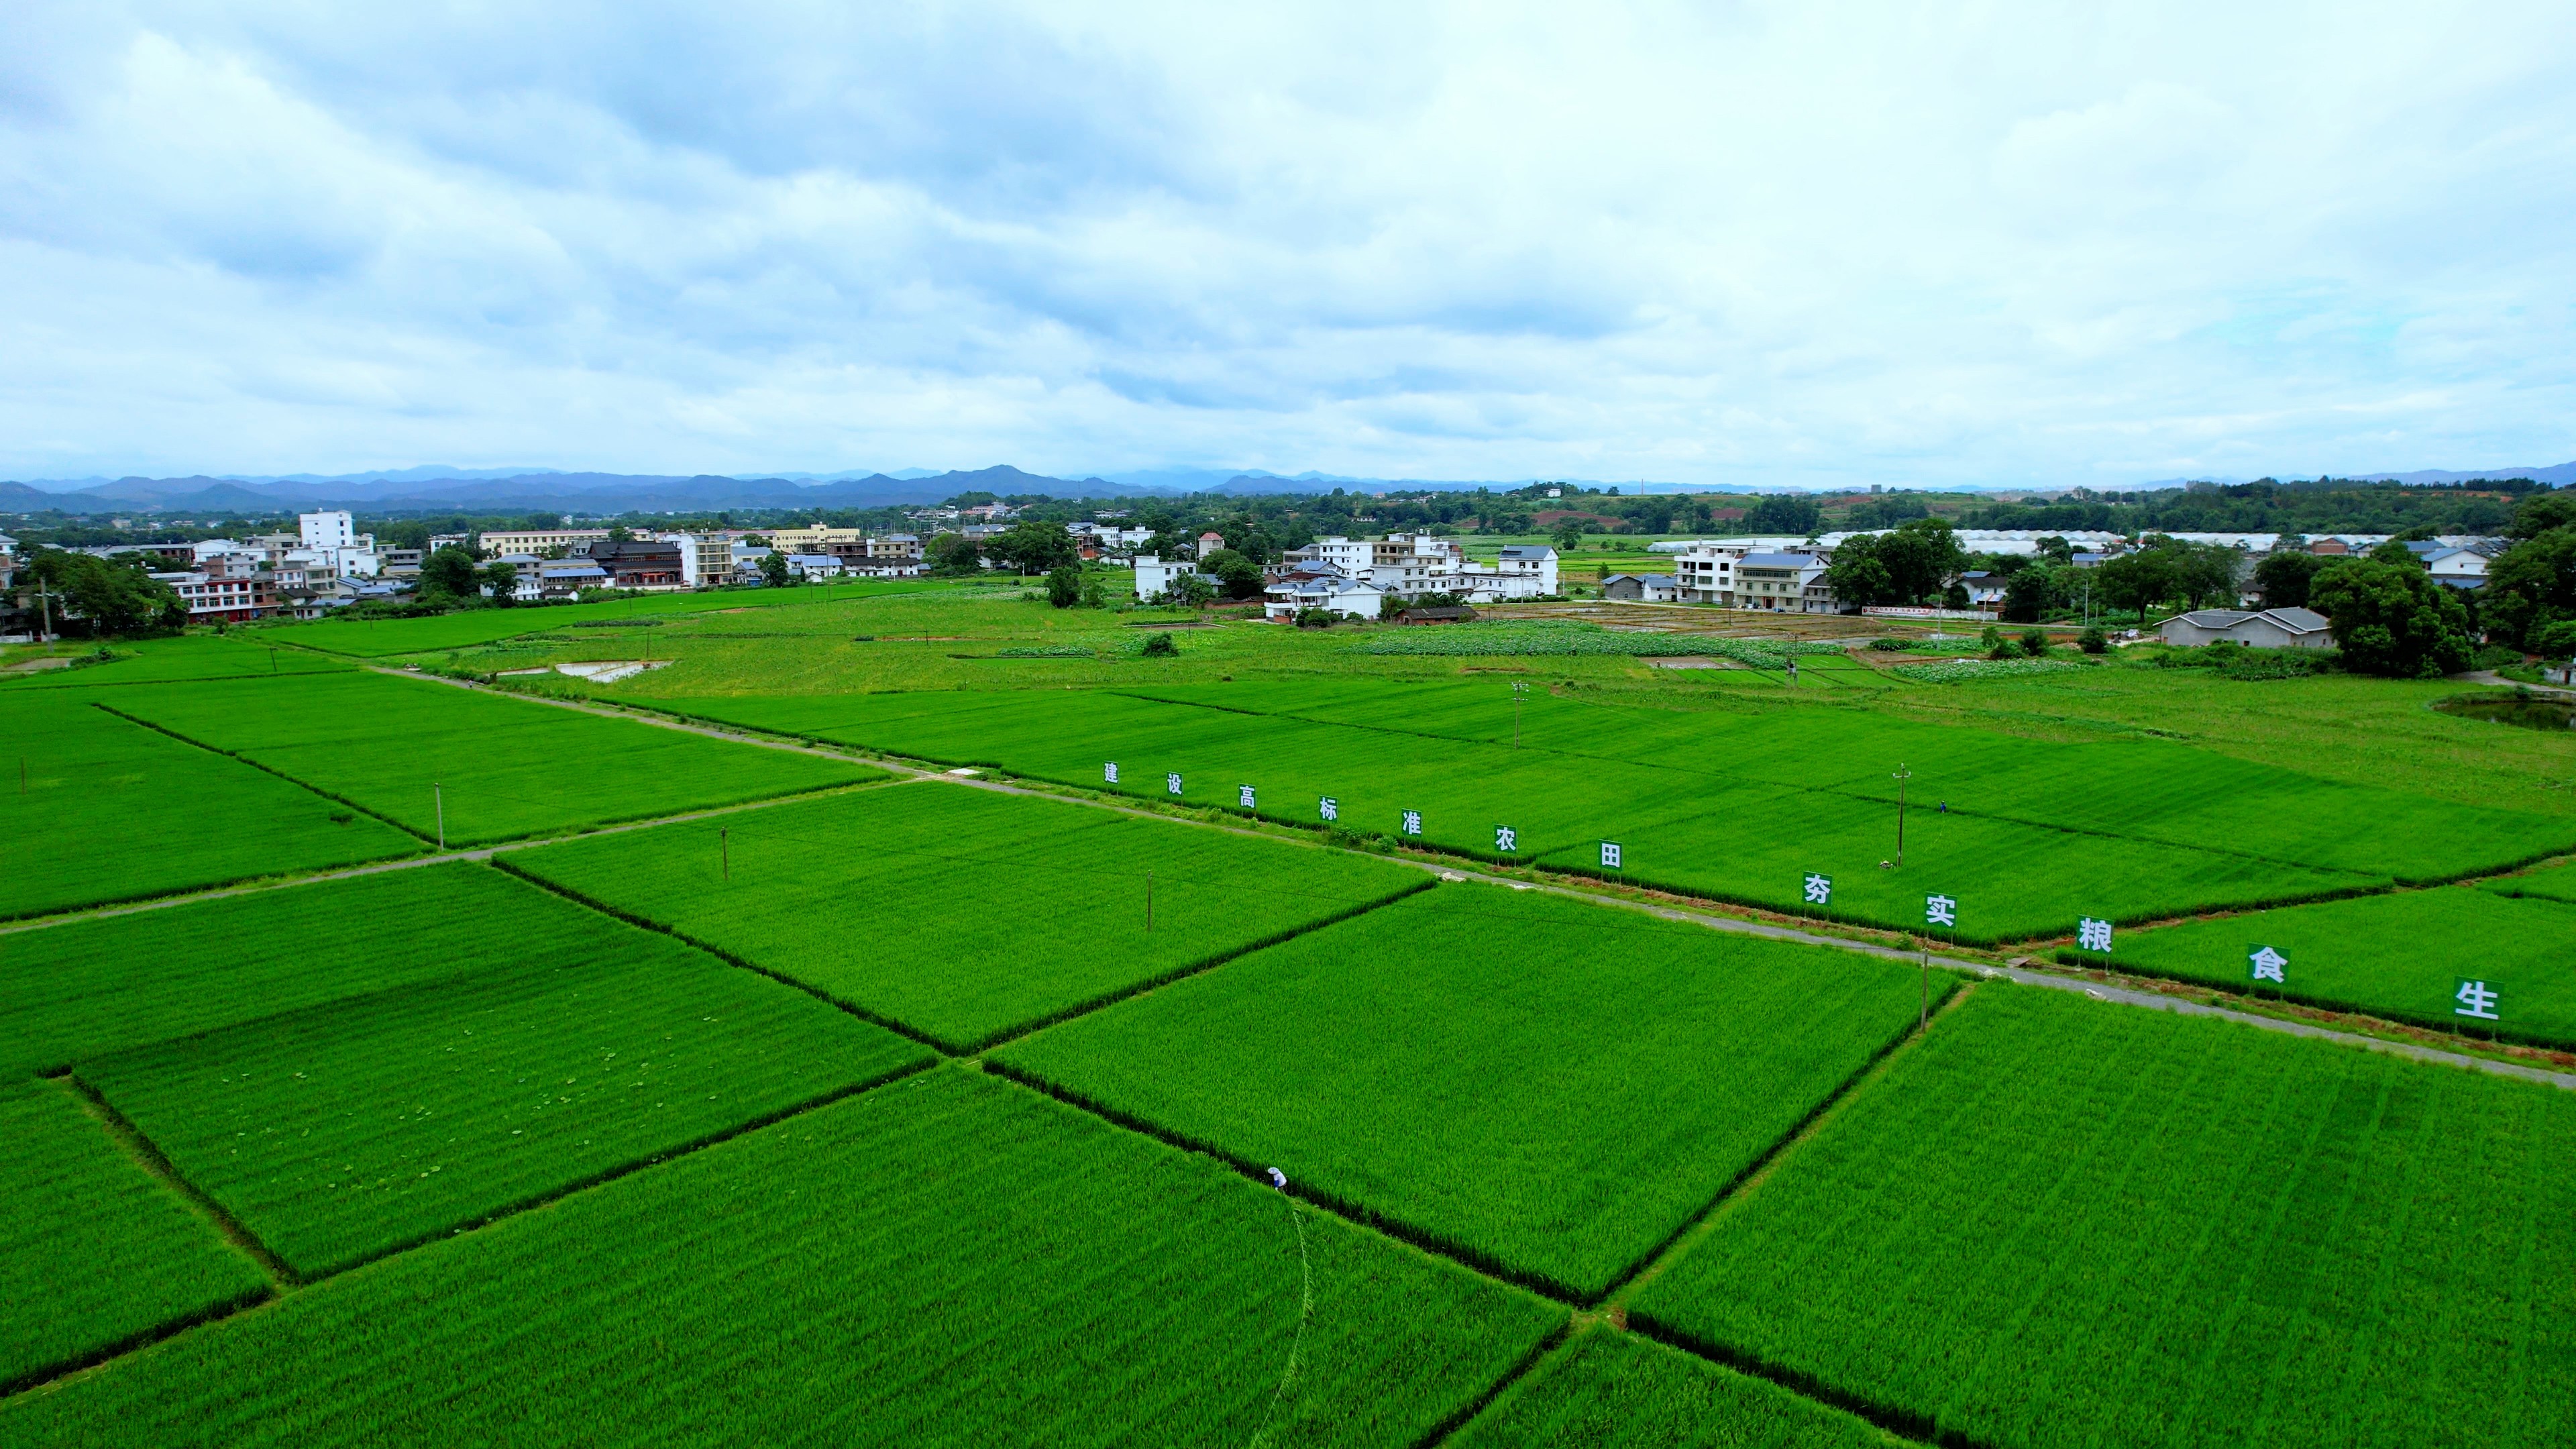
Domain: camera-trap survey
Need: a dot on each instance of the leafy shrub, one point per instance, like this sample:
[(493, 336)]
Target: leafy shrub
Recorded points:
[(2093, 640), (1891, 646), (1160, 646), (2034, 643)]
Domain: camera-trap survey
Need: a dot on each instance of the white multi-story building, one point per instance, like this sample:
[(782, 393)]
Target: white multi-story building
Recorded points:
[(1410, 565), (320, 531), (706, 559)]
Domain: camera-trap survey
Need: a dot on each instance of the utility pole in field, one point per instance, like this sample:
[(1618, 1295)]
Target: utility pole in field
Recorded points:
[(1519, 691), (1901, 776)]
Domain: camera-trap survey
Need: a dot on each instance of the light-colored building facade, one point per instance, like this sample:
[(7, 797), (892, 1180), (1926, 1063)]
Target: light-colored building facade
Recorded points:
[(538, 540), (2270, 629)]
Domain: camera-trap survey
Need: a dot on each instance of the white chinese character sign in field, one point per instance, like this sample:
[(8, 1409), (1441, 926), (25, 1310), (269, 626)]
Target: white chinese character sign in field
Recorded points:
[(1413, 822), (1611, 854), (1243, 796), (2093, 935), (1109, 772), (2477, 999), (1820, 889), (1941, 911), (1329, 808), (1172, 783), (1506, 840), (2262, 963)]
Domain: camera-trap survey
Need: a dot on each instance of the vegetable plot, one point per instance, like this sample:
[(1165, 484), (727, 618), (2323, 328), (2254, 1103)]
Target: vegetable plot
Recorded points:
[(350, 1130), (2064, 1222), (1543, 1086), (948, 1260), (491, 766), (964, 914), (94, 1254)]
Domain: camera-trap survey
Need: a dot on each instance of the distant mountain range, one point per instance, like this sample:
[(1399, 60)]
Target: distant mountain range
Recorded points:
[(438, 488)]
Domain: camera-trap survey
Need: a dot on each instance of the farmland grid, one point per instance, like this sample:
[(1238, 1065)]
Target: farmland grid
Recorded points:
[(1515, 1391)]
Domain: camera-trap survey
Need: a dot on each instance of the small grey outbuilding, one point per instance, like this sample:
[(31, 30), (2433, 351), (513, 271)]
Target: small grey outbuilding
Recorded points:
[(2292, 628)]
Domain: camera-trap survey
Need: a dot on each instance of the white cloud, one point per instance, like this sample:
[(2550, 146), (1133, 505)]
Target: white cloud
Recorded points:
[(1760, 242)]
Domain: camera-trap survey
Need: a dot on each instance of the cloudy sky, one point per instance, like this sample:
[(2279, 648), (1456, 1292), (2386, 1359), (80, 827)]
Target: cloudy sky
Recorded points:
[(1805, 243)]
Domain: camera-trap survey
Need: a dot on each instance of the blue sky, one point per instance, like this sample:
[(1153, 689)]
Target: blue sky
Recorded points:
[(1798, 243)]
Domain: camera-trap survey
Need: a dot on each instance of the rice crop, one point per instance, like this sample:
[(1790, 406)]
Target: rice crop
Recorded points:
[(188, 656), (1533, 1084), (2555, 881), (947, 1260), (1960, 671), (1623, 1391), (349, 1130), (2063, 1222), (99, 809), (2401, 956), (94, 1253), (87, 988), (964, 914), (1043, 651), (1692, 819), (491, 766), (2140, 788), (378, 638)]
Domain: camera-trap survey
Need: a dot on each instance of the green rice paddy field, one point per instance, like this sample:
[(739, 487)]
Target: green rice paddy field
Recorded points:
[(1553, 1110), (880, 1115), (2061, 1222), (2027, 837), (962, 915), (94, 1253), (947, 1260), (2401, 956), (342, 1132), (494, 768), (96, 808)]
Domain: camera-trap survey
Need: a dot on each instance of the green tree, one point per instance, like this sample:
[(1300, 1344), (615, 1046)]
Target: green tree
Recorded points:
[(2531, 585), (1095, 594), (1236, 574), (1857, 576), (1033, 546), (2392, 619), (2554, 640), (2284, 576), (2031, 593), (1568, 533), (2093, 640), (952, 555), (1791, 513), (2139, 579), (2542, 512), (1064, 585), (2034, 642), (114, 595), (1191, 591), (2395, 551), (504, 582), (1160, 646), (1920, 556), (773, 569), (451, 574)]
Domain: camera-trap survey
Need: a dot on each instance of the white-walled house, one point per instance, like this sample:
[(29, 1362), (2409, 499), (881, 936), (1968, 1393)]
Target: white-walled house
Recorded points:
[(1337, 594), (1155, 576)]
